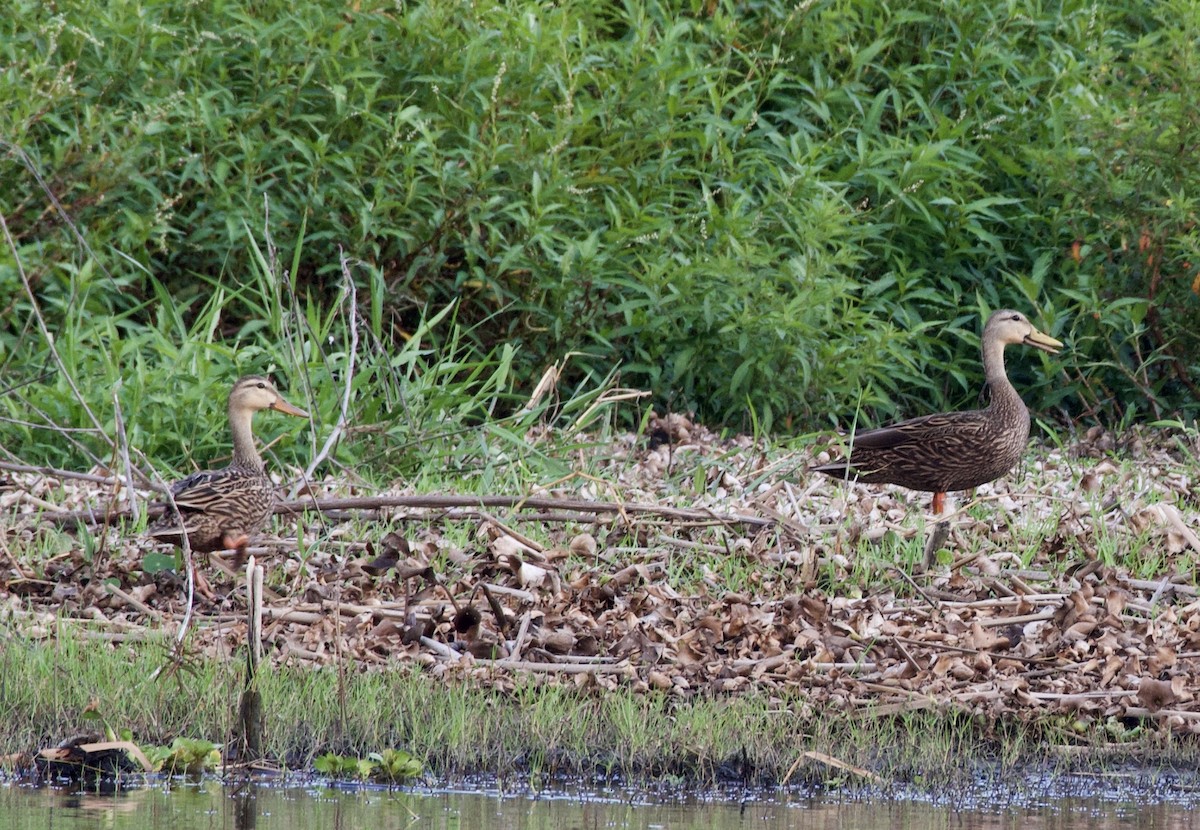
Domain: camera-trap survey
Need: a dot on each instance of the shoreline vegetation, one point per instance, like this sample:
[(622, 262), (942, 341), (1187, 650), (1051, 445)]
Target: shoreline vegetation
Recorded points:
[(520, 640), (497, 266)]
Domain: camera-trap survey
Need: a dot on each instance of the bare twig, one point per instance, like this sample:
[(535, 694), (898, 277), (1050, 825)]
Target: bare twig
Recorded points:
[(123, 446), (189, 566), (532, 544), (12, 560), (561, 668), (133, 602), (53, 472), (497, 609), (66, 433), (912, 583), (518, 643), (441, 648), (526, 503), (351, 296), (480, 504)]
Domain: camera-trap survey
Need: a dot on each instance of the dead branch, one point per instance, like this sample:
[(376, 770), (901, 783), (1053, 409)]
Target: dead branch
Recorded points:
[(451, 502)]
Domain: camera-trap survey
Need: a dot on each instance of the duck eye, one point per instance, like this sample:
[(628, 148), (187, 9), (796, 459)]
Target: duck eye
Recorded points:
[(261, 385), (1017, 317)]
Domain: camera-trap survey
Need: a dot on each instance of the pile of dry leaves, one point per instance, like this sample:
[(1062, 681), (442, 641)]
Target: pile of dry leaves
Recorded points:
[(624, 578)]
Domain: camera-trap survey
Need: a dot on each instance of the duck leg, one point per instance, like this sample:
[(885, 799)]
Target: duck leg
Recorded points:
[(937, 538), (231, 540), (200, 581), (236, 542)]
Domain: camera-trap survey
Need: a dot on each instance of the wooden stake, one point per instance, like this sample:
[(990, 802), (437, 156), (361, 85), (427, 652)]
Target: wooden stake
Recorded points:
[(250, 714)]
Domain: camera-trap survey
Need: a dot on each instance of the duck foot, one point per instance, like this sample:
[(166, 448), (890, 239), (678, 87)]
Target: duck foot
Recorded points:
[(200, 583)]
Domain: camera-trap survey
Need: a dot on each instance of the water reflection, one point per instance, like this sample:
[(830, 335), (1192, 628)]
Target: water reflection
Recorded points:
[(209, 804)]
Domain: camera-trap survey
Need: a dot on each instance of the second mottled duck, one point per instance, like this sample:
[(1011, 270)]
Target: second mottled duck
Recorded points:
[(222, 508), (953, 450)]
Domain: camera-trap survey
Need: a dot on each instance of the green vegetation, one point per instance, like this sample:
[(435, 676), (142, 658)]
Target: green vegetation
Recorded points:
[(535, 731), (365, 714), (705, 197), (185, 756), (392, 766), (783, 216)]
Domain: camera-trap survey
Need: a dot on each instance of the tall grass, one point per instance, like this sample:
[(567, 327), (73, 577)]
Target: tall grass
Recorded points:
[(432, 406), (757, 210), (536, 729)]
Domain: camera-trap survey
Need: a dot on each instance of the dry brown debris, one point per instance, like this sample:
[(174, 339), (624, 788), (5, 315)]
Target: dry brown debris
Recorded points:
[(1031, 620)]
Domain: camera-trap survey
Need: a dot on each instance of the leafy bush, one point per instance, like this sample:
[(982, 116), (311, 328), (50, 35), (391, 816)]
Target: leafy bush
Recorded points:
[(758, 210), (1119, 185)]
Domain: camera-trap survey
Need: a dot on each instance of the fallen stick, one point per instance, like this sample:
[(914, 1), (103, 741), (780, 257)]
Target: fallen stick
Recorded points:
[(999, 655), (1025, 618), (52, 472), (133, 602), (1000, 602), (447, 502), (1082, 697), (887, 710), (835, 763), (1157, 584), (250, 714), (1142, 712), (124, 636), (291, 615), (563, 668)]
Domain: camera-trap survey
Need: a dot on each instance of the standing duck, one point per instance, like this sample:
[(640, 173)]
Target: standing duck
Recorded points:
[(222, 508), (953, 450)]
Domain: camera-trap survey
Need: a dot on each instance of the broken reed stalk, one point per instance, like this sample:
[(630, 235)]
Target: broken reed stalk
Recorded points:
[(250, 714), (340, 662)]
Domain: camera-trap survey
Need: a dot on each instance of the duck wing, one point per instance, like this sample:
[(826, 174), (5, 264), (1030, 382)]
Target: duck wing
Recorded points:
[(950, 429), (946, 451)]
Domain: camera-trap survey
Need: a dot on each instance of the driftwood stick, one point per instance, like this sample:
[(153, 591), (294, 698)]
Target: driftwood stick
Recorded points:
[(133, 602), (292, 615), (523, 503), (441, 649), (53, 472), (935, 646), (1157, 585), (1000, 602), (563, 668), (446, 502), (1021, 620), (519, 642), (250, 706)]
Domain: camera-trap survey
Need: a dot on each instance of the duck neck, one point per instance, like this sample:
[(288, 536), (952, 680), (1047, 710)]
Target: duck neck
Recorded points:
[(244, 452), (999, 388)]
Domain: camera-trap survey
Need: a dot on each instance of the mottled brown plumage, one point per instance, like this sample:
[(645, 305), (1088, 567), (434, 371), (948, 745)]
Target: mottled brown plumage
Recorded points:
[(953, 450), (222, 508)]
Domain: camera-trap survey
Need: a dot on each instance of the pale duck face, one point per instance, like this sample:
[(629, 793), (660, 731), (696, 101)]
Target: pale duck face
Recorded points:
[(1013, 328)]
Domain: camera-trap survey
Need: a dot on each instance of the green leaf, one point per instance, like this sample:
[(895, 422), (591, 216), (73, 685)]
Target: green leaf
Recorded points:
[(156, 563)]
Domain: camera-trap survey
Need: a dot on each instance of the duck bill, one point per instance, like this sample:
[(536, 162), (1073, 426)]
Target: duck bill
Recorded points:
[(1043, 341), (286, 408)]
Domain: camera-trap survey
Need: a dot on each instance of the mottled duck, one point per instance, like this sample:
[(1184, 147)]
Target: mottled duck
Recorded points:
[(953, 450), (222, 508)]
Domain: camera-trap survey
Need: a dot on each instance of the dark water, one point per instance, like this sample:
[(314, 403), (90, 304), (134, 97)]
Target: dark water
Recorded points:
[(209, 805)]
